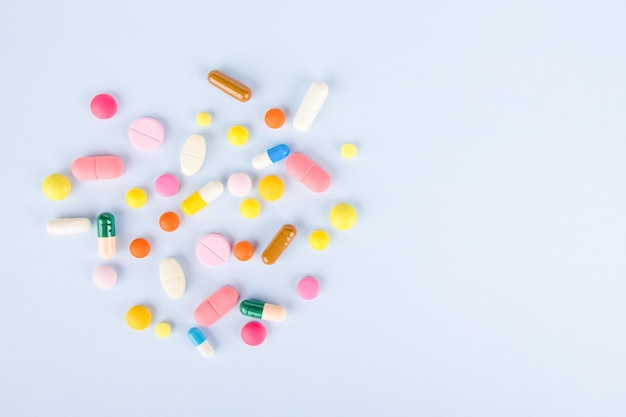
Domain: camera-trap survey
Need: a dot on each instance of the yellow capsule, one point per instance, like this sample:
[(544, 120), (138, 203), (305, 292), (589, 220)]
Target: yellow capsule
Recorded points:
[(56, 187), (230, 86), (279, 243), (201, 198)]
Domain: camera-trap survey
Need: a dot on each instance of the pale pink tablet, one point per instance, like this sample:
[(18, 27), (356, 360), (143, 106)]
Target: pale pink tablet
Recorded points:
[(167, 185), (103, 106), (146, 134), (308, 288), (239, 184), (102, 167), (213, 250), (214, 307), (307, 172), (104, 277), (253, 333)]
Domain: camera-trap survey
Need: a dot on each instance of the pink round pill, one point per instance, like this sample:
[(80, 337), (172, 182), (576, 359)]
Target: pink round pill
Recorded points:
[(146, 134), (308, 288), (104, 277), (103, 106), (253, 333), (167, 185), (239, 184), (213, 250)]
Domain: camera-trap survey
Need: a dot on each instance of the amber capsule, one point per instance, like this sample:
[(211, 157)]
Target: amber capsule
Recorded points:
[(230, 86), (280, 242)]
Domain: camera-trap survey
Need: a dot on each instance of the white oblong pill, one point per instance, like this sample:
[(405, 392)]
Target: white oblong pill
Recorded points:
[(192, 154), (172, 278), (68, 226), (310, 106), (211, 191)]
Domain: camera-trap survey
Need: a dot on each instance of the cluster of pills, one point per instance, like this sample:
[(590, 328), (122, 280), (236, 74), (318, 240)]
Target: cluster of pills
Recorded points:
[(212, 250)]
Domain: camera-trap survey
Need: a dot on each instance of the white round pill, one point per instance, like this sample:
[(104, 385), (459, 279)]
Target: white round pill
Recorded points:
[(104, 277), (239, 184)]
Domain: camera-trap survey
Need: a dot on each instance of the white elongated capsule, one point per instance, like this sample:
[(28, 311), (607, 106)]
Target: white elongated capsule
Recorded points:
[(68, 226), (192, 154), (201, 198), (270, 156), (199, 341), (310, 106), (172, 278)]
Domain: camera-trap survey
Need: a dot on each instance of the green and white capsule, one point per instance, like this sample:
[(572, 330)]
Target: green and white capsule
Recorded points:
[(106, 235), (262, 310)]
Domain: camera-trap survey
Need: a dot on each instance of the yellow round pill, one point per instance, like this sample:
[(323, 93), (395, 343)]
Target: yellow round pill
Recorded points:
[(163, 329), (136, 197), (271, 188), (138, 317), (203, 119), (238, 135), (343, 216), (319, 239), (250, 208), (348, 150), (56, 186)]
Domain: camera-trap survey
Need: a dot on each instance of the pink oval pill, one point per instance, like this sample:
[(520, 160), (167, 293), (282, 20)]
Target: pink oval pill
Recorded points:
[(213, 250), (103, 106), (214, 307), (146, 134), (102, 167), (167, 185), (104, 277), (307, 172), (253, 333), (308, 288)]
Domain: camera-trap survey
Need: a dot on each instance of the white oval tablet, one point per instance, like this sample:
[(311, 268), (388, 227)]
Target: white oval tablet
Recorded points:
[(310, 106), (172, 278), (68, 226), (192, 154)]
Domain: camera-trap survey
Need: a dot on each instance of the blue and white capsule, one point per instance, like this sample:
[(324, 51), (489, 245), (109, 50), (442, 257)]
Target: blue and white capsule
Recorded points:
[(199, 341), (270, 156)]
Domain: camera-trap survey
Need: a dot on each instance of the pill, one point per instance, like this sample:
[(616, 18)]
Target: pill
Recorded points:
[(136, 198), (308, 288), (146, 134), (101, 167), (167, 185), (199, 341), (68, 226), (105, 223), (172, 278), (250, 208), (271, 188), (139, 248), (104, 277), (169, 221), (163, 329), (192, 154), (262, 310), (203, 119), (138, 317), (253, 333), (348, 150), (238, 135), (319, 239), (279, 243), (56, 187), (217, 305), (201, 198), (239, 184), (243, 250), (230, 86), (270, 156), (274, 118), (343, 216), (103, 106), (213, 250), (310, 106), (314, 177)]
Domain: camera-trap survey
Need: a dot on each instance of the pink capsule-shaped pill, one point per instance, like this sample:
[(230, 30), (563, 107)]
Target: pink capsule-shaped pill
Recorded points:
[(307, 172), (214, 307), (102, 167)]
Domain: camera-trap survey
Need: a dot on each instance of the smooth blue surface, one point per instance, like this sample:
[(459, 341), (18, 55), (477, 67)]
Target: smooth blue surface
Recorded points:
[(196, 336), (278, 152)]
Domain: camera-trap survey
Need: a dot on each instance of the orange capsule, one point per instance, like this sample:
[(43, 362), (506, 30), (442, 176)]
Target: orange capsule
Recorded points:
[(280, 242), (139, 248), (243, 251), (230, 86), (169, 221)]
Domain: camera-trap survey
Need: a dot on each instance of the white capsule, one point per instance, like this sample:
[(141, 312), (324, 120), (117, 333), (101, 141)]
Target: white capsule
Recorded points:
[(270, 156), (199, 341), (68, 226), (310, 106)]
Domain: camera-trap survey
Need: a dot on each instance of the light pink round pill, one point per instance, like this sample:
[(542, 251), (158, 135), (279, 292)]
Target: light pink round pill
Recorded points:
[(146, 134), (253, 333), (103, 106), (308, 288), (239, 184), (213, 250), (104, 277), (167, 185)]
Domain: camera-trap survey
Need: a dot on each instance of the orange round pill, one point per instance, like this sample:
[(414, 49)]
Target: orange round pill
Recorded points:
[(139, 248), (169, 221), (274, 118), (243, 251)]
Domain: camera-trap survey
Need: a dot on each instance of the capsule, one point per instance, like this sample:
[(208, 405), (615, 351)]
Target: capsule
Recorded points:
[(310, 106), (199, 341), (198, 200), (230, 86), (69, 225), (280, 242), (106, 235), (262, 311), (270, 156)]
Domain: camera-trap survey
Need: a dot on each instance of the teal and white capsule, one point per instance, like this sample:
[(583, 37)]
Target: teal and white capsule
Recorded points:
[(270, 156), (199, 341), (106, 235), (262, 310)]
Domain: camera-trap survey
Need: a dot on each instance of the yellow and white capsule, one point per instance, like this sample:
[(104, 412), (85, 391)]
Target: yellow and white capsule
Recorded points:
[(201, 198)]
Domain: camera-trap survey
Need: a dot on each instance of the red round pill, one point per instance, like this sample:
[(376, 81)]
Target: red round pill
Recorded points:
[(103, 106), (253, 333)]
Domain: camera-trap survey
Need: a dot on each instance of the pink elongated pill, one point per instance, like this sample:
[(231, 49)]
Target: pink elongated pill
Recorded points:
[(167, 185), (214, 307), (213, 250), (103, 106), (146, 134), (102, 167), (307, 172)]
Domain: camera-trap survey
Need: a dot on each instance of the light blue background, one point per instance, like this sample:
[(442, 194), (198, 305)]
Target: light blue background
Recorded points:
[(486, 274)]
